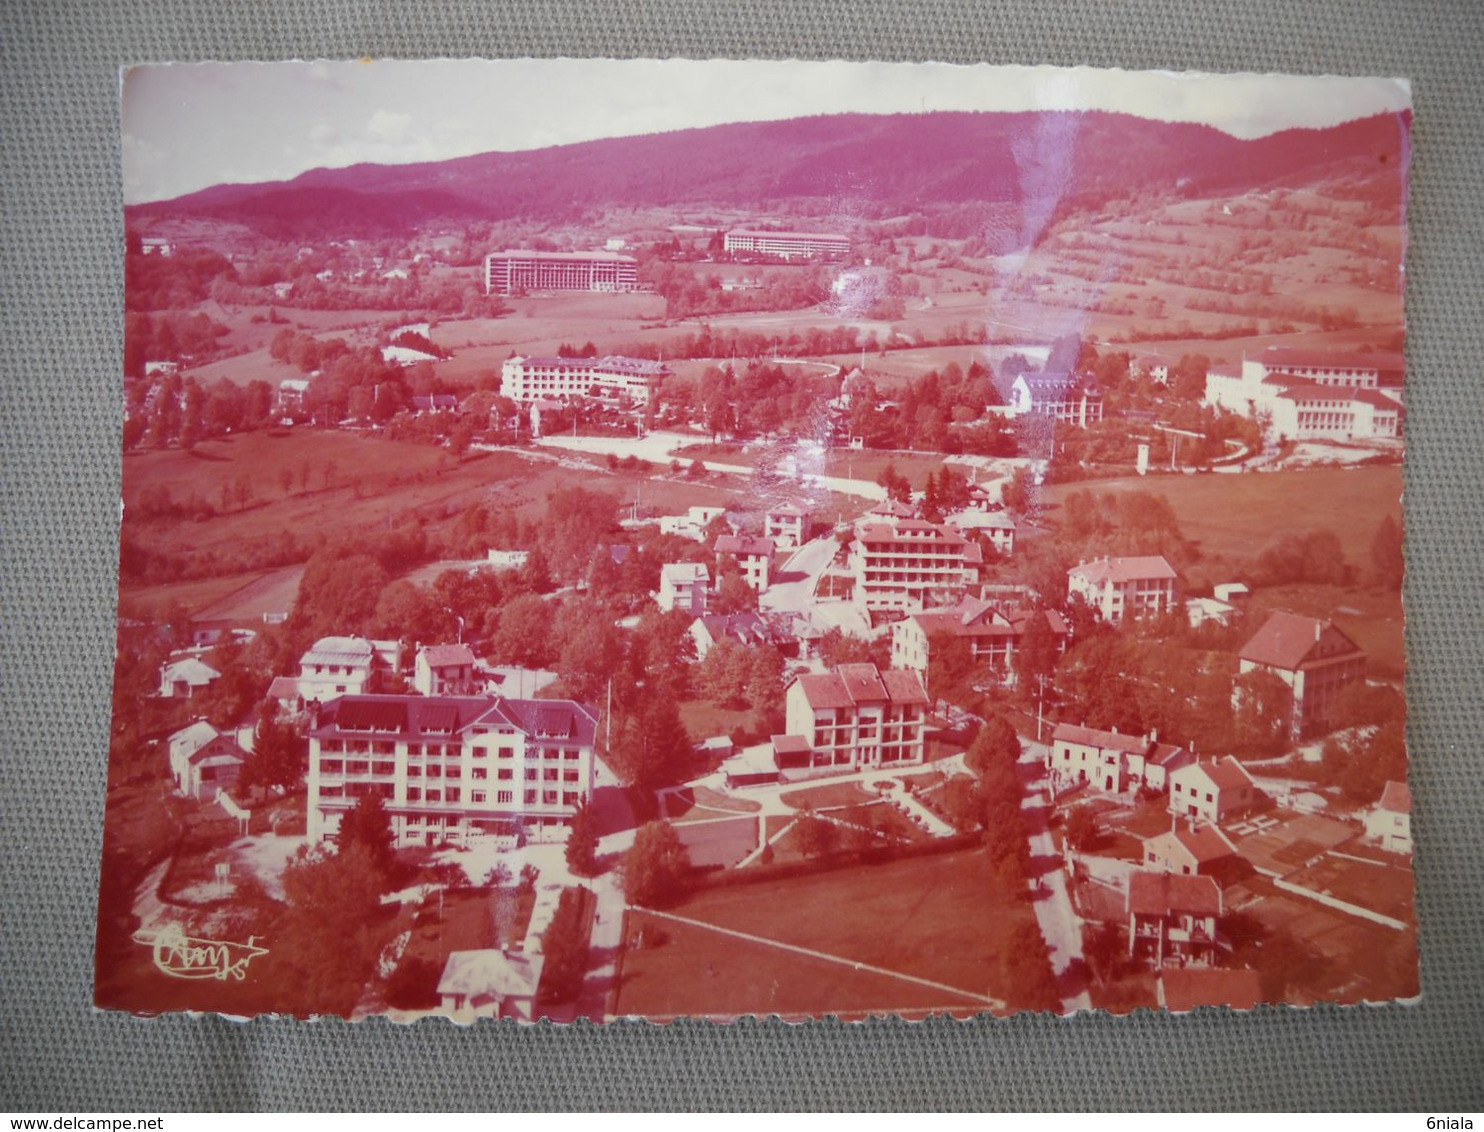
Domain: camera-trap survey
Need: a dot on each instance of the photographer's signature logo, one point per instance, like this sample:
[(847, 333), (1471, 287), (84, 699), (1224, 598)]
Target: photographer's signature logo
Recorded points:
[(182, 957)]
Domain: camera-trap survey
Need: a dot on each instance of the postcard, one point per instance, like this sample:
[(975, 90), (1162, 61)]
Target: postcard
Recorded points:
[(664, 538)]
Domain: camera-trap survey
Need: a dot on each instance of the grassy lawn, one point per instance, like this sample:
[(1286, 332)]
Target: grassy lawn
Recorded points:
[(943, 918), (825, 797), (718, 843), (698, 803), (883, 818), (460, 920)]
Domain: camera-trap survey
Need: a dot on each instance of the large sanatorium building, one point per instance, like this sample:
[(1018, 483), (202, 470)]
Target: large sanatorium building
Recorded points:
[(511, 271)]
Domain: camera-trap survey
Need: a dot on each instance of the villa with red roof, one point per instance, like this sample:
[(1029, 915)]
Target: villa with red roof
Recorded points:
[(445, 670), (1216, 790), (1188, 850), (787, 524), (452, 769), (1109, 761), (1314, 658), (1172, 918), (1119, 588), (854, 717), (754, 557), (990, 631), (1390, 822), (910, 564)]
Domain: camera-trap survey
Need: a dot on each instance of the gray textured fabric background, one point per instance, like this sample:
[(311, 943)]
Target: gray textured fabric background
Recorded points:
[(60, 329)]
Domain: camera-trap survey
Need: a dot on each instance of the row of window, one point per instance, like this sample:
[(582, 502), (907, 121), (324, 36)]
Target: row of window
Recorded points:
[(454, 795), (435, 750)]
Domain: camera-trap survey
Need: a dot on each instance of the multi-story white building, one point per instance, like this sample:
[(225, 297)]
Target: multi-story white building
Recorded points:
[(631, 380), (1310, 395), (451, 769), (997, 526), (854, 717), (910, 564), (787, 524), (1062, 398), (510, 271), (1119, 588), (1314, 658), (341, 666), (787, 245), (1390, 822), (684, 586), (991, 632), (754, 557)]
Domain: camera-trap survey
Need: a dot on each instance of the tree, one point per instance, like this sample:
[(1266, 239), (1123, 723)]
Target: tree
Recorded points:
[(650, 745), (327, 939), (817, 837), (951, 667), (582, 842), (897, 486), (655, 867), (1387, 564), (524, 634), (1035, 653), (995, 747), (368, 828), (565, 945), (1082, 828), (279, 753), (1262, 711)]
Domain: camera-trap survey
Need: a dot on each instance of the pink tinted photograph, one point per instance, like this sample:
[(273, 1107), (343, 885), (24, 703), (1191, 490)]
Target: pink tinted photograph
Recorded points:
[(656, 539)]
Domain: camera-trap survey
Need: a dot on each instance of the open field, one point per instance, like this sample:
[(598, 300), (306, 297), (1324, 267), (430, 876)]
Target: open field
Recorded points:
[(940, 919), (1233, 517), (339, 483)]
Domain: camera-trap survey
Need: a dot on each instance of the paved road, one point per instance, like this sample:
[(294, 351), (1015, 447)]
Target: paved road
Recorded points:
[(796, 595), (657, 446), (1060, 925)]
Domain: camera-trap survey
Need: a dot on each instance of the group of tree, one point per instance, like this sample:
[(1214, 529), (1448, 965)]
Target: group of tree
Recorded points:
[(656, 867), (564, 944)]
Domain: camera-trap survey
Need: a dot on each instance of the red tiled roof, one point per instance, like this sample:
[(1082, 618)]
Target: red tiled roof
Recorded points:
[(1204, 843), (1159, 894), (442, 656), (744, 546), (1092, 737), (1185, 988), (1224, 774), (1276, 357), (1287, 639), (851, 684), (1124, 569), (1397, 798)]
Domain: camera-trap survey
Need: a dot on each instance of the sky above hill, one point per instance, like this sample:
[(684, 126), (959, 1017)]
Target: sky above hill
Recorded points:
[(190, 126)]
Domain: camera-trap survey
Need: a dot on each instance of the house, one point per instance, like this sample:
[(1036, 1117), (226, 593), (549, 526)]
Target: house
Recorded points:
[(445, 670), (181, 679), (787, 524), (997, 526), (1390, 822), (1062, 397), (490, 983), (1315, 658), (1107, 761), (1124, 587), (1156, 367), (340, 666), (693, 524), (747, 629), (1311, 395), (205, 760), (1190, 850), (905, 565), (853, 717), (435, 403), (684, 586), (1180, 989), (1215, 790), (290, 395), (991, 631), (285, 691), (1172, 918), (452, 769), (754, 557)]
